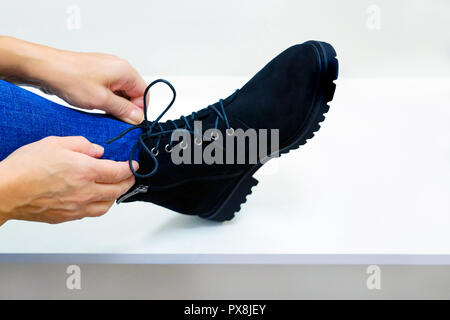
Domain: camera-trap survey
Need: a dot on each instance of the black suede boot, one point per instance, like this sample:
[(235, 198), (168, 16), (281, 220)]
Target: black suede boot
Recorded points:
[(289, 94)]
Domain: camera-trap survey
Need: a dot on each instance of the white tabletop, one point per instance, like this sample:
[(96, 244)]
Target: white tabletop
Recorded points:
[(375, 180)]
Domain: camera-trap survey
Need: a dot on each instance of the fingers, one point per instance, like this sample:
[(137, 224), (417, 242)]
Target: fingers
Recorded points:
[(108, 171), (124, 109), (139, 101), (126, 99), (96, 202), (136, 86), (94, 209), (77, 144), (97, 209), (112, 192)]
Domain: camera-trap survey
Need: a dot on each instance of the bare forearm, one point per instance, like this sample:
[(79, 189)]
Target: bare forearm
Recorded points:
[(20, 60)]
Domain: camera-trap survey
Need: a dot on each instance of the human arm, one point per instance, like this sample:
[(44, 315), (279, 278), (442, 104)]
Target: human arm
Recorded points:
[(85, 80), (59, 179)]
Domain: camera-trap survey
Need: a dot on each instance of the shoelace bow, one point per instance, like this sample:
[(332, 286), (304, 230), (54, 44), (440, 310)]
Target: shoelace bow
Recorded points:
[(147, 129)]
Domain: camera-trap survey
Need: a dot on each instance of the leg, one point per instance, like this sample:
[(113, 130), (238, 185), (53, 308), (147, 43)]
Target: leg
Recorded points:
[(26, 117)]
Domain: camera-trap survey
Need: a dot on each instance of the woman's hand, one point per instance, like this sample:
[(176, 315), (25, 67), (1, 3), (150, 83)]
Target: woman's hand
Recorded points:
[(59, 179), (85, 80)]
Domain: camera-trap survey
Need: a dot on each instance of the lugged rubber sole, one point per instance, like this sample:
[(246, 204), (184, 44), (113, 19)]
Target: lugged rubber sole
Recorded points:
[(326, 88)]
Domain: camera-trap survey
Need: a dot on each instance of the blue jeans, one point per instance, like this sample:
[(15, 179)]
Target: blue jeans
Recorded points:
[(26, 117)]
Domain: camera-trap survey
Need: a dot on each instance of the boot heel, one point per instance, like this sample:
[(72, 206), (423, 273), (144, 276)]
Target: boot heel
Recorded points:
[(232, 203)]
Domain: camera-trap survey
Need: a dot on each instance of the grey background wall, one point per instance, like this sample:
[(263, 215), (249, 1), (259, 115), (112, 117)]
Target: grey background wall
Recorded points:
[(40, 281), (235, 37)]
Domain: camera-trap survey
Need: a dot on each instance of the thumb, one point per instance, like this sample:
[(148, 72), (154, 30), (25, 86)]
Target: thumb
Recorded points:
[(81, 145), (124, 109)]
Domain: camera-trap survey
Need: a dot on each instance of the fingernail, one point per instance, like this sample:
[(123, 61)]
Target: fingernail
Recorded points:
[(136, 116), (98, 149), (135, 165)]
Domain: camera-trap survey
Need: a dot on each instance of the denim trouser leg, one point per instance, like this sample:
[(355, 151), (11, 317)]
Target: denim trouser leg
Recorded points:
[(26, 117)]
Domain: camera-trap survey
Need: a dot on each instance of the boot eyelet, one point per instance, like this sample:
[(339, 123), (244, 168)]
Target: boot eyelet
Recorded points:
[(198, 141), (230, 131), (214, 135), (168, 148), (155, 151), (183, 145)]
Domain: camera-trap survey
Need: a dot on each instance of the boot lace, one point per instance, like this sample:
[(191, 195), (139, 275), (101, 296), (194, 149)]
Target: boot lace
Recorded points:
[(148, 128)]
